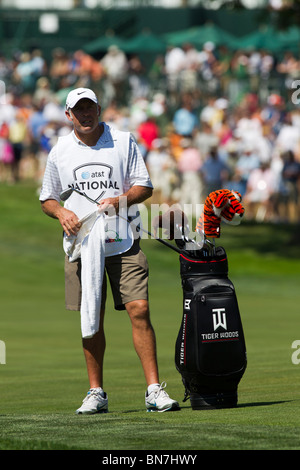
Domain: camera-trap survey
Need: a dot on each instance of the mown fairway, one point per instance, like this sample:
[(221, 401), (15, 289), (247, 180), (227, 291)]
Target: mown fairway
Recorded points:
[(44, 379)]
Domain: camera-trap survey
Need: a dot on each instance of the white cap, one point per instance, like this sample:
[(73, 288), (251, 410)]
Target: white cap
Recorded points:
[(78, 94)]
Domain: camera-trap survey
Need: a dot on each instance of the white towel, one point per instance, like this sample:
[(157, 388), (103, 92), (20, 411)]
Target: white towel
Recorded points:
[(92, 244), (72, 243), (89, 243), (92, 270)]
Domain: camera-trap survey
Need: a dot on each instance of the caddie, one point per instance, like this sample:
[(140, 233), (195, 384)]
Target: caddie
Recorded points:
[(106, 165)]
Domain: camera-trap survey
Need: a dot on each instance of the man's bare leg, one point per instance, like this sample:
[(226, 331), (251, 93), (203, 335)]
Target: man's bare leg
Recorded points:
[(94, 349), (144, 338)]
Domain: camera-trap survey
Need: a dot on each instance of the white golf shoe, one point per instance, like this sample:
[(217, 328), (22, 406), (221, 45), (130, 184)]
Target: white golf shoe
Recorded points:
[(95, 402), (159, 400)]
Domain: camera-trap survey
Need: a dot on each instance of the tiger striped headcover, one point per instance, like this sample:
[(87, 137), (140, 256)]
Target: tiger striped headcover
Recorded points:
[(221, 205)]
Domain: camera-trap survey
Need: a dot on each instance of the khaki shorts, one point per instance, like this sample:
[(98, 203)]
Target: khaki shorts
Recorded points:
[(127, 273)]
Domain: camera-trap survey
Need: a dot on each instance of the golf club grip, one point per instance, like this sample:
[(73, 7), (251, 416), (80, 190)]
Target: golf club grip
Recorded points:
[(168, 245)]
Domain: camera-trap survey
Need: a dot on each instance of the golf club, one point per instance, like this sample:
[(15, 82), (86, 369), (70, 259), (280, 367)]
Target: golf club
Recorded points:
[(66, 193)]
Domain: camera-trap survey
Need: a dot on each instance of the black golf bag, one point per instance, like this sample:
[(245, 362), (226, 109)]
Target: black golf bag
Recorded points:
[(210, 352)]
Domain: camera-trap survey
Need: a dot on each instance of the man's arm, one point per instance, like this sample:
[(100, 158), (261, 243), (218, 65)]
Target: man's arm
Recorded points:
[(68, 219), (50, 205), (135, 195)]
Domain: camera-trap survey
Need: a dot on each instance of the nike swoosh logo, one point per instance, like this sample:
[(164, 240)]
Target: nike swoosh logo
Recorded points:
[(80, 93), (152, 404)]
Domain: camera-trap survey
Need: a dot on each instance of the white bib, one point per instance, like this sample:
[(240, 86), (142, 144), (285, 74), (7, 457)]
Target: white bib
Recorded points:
[(99, 172)]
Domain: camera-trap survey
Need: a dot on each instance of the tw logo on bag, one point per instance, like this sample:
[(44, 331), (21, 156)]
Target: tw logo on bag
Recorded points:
[(219, 318)]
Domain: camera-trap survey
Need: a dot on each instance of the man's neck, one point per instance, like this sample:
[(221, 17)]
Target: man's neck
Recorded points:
[(91, 138)]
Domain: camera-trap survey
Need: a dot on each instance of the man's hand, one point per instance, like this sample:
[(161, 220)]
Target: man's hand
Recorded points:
[(135, 195), (68, 220), (109, 206)]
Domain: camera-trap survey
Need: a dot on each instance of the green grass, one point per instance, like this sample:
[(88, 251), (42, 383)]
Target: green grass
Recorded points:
[(44, 378)]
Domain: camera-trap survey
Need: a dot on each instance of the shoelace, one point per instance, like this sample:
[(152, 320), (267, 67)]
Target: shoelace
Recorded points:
[(161, 391), (91, 393)]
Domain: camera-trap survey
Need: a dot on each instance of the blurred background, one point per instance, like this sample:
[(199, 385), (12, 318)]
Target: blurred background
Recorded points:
[(211, 92), (209, 88)]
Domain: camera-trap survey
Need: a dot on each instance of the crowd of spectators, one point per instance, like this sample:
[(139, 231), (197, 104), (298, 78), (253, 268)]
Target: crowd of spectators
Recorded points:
[(203, 119)]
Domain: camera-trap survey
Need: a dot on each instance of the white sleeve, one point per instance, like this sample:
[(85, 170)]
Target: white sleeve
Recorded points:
[(51, 187), (137, 173)]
